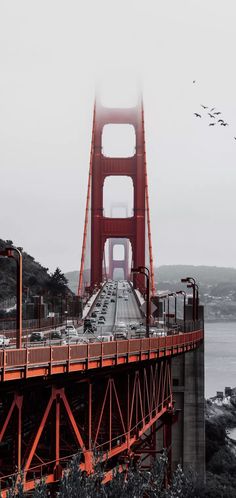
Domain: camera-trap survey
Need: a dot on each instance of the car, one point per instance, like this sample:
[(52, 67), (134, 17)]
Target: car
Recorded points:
[(120, 335), (121, 325), (72, 337), (36, 337), (4, 341), (112, 300), (154, 332), (126, 298), (140, 332), (134, 325), (56, 334), (69, 329), (105, 338), (94, 314), (90, 328)]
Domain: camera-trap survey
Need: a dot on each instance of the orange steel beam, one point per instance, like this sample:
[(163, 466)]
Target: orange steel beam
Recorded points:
[(114, 433), (148, 212), (54, 360), (80, 284), (7, 419)]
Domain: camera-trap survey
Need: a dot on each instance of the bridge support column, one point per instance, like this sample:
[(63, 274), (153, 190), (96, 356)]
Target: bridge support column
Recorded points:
[(188, 439), (19, 402)]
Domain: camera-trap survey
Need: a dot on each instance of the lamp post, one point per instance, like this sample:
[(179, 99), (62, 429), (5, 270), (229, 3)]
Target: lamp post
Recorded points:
[(173, 294), (15, 253), (145, 271), (164, 296), (192, 284), (66, 313), (184, 311)]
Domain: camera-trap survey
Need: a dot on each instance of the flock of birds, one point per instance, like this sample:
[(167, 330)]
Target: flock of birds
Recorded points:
[(214, 116)]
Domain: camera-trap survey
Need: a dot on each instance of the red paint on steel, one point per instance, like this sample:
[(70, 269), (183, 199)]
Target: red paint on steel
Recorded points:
[(104, 425), (80, 285), (44, 361), (148, 212), (103, 228)]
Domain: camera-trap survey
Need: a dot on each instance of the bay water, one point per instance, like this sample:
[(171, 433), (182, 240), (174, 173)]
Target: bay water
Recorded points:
[(220, 356)]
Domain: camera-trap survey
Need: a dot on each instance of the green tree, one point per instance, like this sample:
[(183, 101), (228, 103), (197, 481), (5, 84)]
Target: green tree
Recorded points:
[(58, 282)]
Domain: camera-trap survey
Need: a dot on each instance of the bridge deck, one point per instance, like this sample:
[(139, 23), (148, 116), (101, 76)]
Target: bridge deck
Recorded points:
[(19, 364)]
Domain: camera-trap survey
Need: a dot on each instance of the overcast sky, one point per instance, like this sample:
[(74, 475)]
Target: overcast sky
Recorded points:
[(52, 53)]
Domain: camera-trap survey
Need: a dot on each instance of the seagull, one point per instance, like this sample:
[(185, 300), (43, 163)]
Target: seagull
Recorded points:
[(217, 113), (220, 121), (213, 108), (197, 115), (211, 124), (204, 106), (211, 115), (224, 124)]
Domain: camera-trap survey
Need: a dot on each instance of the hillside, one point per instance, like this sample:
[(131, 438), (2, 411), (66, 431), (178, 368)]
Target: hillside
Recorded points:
[(36, 278)]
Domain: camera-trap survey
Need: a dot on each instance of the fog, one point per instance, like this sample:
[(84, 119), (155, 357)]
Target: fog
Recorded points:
[(53, 54)]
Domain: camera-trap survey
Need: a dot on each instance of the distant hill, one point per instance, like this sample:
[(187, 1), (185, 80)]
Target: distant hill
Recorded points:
[(217, 286), (170, 275), (205, 275), (73, 279)]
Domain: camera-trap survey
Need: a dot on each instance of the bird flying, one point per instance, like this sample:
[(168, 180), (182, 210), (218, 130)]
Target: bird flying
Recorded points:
[(211, 124), (197, 115), (194, 81), (224, 124), (220, 121), (217, 113), (204, 106), (211, 115), (213, 108)]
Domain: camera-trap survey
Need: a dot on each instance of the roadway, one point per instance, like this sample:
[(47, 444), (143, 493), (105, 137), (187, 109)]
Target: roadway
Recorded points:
[(117, 304), (127, 307)]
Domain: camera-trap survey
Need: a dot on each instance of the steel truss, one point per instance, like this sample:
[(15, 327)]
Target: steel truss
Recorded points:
[(110, 415)]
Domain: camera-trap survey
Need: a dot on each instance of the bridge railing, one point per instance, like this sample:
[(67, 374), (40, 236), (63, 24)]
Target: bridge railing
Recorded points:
[(92, 355)]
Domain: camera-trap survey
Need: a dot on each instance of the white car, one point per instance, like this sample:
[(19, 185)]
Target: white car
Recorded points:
[(70, 329), (121, 325), (105, 338), (72, 337), (4, 341)]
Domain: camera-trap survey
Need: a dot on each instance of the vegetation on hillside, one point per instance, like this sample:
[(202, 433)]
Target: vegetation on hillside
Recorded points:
[(36, 278)]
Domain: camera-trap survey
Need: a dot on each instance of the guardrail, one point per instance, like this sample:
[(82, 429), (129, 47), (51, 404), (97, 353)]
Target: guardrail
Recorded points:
[(40, 361)]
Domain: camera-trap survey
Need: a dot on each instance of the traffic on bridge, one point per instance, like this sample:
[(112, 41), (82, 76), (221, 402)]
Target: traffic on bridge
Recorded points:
[(127, 377)]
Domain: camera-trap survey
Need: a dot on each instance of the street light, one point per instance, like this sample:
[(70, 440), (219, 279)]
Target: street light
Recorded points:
[(164, 296), (173, 294), (192, 284), (184, 313), (16, 254), (141, 270)]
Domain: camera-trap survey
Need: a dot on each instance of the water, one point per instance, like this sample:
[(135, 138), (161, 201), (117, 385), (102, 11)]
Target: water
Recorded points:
[(220, 357)]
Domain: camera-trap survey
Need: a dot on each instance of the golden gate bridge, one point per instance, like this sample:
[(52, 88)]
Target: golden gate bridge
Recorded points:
[(124, 398)]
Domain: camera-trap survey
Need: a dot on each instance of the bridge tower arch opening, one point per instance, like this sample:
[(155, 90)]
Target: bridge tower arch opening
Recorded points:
[(118, 257)]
